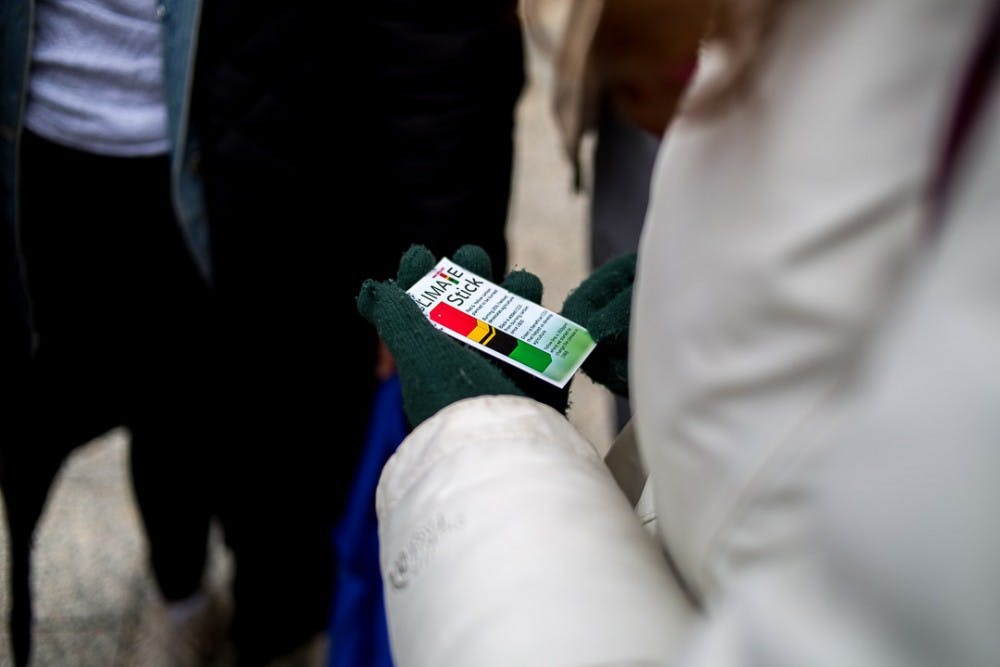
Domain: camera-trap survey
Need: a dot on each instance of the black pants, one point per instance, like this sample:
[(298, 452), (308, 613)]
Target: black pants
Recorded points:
[(298, 371), (229, 395), (122, 322)]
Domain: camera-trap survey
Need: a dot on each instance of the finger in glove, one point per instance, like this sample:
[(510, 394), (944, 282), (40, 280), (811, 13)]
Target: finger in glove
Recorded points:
[(434, 370)]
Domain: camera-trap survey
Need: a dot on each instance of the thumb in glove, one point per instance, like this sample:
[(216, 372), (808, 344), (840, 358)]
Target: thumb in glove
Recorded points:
[(434, 369), (603, 304)]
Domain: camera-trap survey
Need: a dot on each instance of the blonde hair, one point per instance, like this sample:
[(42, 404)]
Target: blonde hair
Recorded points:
[(743, 29)]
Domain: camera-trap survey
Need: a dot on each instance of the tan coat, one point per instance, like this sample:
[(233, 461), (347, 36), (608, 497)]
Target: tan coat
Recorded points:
[(635, 56)]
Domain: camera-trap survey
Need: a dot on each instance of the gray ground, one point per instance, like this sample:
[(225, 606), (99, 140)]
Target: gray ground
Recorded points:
[(92, 590)]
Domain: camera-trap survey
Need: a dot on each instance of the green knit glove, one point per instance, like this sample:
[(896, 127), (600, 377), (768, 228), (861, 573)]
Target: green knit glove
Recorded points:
[(603, 304), (434, 369)]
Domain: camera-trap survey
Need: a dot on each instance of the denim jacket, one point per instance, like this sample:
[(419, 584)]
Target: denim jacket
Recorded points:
[(180, 25)]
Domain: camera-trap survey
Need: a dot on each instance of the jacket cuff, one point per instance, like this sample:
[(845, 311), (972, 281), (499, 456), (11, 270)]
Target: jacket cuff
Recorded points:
[(505, 541), (474, 422)]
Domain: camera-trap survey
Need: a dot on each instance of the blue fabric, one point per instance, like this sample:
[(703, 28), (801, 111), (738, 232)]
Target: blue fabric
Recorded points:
[(180, 35), (358, 633)]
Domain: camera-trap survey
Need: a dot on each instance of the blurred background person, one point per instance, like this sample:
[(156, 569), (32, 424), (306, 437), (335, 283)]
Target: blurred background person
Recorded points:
[(297, 118), (331, 137), (111, 252), (621, 68)]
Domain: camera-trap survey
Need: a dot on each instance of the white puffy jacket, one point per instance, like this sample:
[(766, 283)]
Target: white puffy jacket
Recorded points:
[(780, 238)]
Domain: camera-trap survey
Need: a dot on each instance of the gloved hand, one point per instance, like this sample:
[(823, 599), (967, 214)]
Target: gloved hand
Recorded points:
[(603, 304), (435, 370)]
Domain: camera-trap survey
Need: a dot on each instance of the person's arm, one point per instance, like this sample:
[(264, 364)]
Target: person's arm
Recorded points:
[(901, 563), (504, 541)]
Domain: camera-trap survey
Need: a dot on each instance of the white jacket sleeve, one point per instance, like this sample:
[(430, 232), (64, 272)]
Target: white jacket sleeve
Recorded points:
[(504, 541), (903, 567)]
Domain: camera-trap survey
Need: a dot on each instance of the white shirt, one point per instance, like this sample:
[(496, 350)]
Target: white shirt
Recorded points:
[(96, 78)]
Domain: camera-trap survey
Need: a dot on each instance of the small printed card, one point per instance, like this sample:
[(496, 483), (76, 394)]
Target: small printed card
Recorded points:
[(502, 324)]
